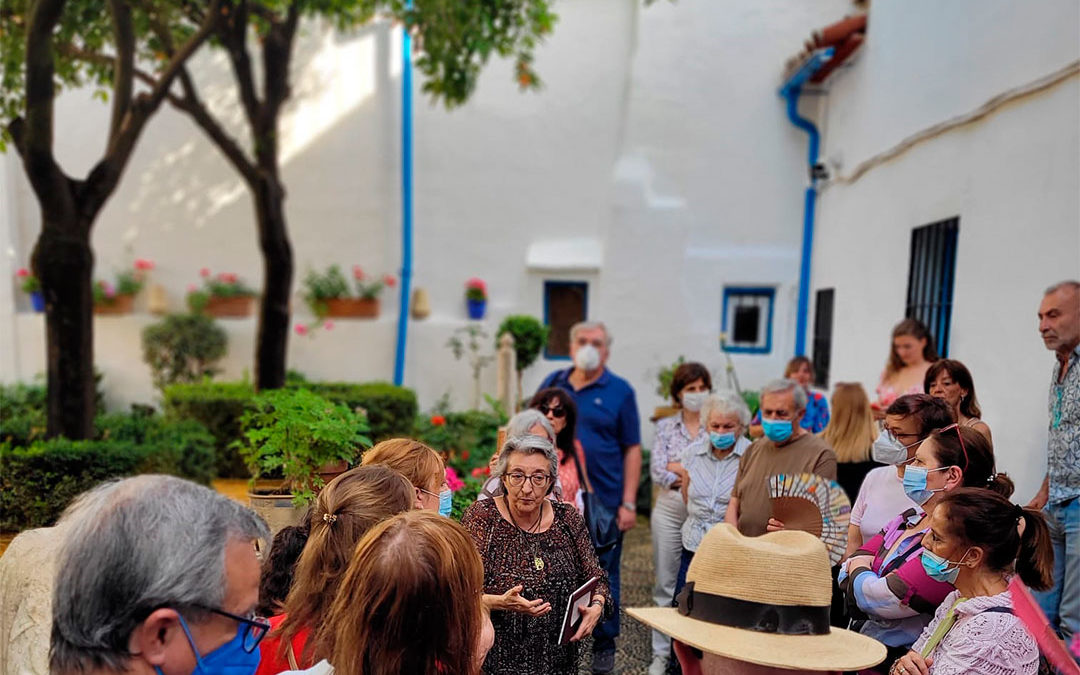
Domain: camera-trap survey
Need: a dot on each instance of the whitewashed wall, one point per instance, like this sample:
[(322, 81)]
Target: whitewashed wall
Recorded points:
[(1013, 179)]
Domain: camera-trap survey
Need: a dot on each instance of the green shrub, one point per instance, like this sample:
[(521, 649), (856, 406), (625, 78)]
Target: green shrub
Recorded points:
[(22, 413), (188, 437), (465, 496), (37, 482), (183, 348), (530, 336), (218, 406), (390, 409), (466, 438)]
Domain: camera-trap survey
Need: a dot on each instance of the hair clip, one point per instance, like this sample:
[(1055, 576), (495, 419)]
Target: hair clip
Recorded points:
[(329, 518)]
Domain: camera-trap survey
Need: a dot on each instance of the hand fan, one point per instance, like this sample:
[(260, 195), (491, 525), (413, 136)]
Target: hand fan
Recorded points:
[(1051, 646), (808, 502)]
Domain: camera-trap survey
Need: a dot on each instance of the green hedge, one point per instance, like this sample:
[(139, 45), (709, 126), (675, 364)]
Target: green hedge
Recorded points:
[(37, 482), (219, 406), (467, 438)]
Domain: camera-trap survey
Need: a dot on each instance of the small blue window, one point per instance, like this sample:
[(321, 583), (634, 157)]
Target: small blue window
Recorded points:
[(747, 319), (565, 303)]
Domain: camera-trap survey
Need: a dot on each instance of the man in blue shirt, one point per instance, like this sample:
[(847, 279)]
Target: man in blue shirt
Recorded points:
[(610, 432)]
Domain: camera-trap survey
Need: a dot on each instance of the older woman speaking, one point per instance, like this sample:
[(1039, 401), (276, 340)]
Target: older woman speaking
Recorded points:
[(536, 553)]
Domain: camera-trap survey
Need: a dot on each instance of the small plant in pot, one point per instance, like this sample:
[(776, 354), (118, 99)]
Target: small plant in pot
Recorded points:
[(297, 434), (30, 285), (222, 295), (327, 293), (476, 298), (119, 297)]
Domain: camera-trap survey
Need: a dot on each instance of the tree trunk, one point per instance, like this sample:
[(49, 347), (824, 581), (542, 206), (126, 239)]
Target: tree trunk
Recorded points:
[(64, 261), (273, 337)]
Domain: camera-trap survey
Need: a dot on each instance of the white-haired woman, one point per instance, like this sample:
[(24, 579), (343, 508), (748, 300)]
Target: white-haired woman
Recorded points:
[(529, 422), (536, 553), (711, 465)]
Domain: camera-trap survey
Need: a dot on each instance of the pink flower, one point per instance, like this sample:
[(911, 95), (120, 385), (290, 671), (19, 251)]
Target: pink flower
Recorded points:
[(22, 273), (192, 288), (204, 272), (143, 264), (110, 290), (389, 280), (301, 329), (227, 278), (476, 283), (328, 325), (452, 480), (358, 273)]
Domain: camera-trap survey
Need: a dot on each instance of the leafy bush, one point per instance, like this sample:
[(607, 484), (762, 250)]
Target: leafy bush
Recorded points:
[(183, 348), (465, 496), (530, 336), (390, 409), (296, 432), (665, 376), (218, 406), (466, 438), (38, 481), (22, 413), (188, 437)]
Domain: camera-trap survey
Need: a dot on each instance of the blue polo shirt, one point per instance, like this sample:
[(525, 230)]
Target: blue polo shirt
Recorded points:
[(607, 424)]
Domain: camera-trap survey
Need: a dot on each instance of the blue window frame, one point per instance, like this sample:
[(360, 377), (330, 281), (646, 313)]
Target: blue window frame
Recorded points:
[(565, 303), (747, 319)]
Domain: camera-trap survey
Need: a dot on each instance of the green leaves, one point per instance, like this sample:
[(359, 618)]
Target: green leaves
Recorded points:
[(530, 336)]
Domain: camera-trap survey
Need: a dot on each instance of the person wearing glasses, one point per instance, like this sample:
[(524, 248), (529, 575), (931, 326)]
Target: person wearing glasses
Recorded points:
[(157, 574), (536, 553), (344, 511), (529, 422), (887, 587), (908, 421), (561, 412), (422, 466)]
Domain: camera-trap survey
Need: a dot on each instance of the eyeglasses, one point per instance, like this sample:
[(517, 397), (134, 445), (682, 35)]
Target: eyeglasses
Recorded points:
[(558, 412), (961, 437), (255, 627), (518, 479)]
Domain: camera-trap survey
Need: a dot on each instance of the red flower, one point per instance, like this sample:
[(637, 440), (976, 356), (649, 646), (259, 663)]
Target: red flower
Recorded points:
[(301, 329), (389, 280), (465, 455), (22, 273), (227, 278), (204, 272), (143, 264), (438, 420), (477, 283), (358, 273), (481, 471)]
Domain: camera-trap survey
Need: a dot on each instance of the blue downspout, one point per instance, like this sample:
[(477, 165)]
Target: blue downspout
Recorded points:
[(406, 202), (792, 95)]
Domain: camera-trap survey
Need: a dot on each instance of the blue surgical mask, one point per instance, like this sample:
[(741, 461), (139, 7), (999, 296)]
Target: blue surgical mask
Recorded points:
[(937, 568), (777, 431), (228, 659), (446, 503), (915, 483), (722, 441)]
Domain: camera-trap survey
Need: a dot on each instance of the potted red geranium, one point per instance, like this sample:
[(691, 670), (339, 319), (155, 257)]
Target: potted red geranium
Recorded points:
[(30, 285), (476, 298), (223, 295), (118, 297)]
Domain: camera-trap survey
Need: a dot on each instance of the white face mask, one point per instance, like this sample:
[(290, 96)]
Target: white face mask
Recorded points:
[(693, 400), (888, 450), (587, 358)]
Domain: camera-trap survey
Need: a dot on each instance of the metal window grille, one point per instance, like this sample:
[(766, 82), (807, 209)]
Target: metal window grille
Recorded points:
[(747, 319), (565, 303), (931, 275), (823, 328)]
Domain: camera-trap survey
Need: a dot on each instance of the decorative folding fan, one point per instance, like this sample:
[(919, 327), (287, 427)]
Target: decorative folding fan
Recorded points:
[(808, 502)]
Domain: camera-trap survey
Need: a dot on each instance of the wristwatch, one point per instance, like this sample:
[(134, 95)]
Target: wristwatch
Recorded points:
[(629, 506)]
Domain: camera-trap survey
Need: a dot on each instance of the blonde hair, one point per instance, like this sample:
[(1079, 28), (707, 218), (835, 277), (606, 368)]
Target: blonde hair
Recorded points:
[(412, 459), (346, 509), (851, 429), (417, 574)]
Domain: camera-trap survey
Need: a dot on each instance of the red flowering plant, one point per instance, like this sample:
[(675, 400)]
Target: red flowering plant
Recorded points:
[(369, 287), (27, 281), (128, 282), (332, 284), (475, 289), (221, 285)]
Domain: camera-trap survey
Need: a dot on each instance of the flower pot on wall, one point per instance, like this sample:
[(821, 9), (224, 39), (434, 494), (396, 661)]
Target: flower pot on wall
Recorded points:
[(232, 306), (477, 308), (37, 301), (121, 304), (353, 308)]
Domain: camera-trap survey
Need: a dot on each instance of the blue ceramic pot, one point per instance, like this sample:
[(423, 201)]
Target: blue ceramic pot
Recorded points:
[(476, 308), (37, 301)]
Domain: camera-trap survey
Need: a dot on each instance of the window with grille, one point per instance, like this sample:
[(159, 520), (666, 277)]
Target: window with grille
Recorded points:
[(747, 319), (823, 325), (931, 274), (565, 303)]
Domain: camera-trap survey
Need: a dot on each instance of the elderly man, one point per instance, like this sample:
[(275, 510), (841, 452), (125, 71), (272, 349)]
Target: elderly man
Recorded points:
[(1059, 324), (785, 448), (157, 574), (610, 432)]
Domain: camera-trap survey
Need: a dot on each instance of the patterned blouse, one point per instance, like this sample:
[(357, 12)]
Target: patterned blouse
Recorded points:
[(526, 644), (672, 440), (981, 642), (1063, 446)]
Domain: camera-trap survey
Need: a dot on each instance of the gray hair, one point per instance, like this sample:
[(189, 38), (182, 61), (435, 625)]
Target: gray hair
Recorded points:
[(133, 546), (1068, 283), (520, 424), (527, 445), (783, 385), (725, 403), (590, 325)]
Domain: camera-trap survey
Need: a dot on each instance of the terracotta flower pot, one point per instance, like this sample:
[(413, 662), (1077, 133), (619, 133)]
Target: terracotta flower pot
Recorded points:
[(276, 509), (121, 304), (233, 306), (332, 470), (353, 308)]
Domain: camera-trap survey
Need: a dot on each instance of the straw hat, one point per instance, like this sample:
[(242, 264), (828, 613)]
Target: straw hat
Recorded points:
[(762, 600)]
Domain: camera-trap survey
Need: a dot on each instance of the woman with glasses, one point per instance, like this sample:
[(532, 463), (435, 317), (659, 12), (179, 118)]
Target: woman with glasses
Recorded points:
[(345, 510), (561, 411), (888, 589), (536, 553), (422, 466)]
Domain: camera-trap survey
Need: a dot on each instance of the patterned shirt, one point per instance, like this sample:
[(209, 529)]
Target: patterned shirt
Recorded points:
[(672, 440), (816, 417), (1063, 444), (711, 483)]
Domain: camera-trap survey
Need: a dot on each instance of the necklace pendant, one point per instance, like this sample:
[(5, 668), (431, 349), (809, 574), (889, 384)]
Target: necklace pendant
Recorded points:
[(538, 563)]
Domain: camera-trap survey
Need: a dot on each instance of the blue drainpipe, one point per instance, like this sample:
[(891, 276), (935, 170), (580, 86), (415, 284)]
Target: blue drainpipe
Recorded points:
[(406, 202), (791, 91)]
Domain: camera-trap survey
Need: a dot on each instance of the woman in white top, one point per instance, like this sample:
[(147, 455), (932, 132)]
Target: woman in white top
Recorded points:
[(951, 381), (910, 354), (908, 421)]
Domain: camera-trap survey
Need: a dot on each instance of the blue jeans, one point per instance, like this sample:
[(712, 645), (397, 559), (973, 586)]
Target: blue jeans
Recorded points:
[(1061, 604), (604, 635)]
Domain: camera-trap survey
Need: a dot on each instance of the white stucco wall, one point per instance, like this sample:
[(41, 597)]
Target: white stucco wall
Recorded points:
[(1013, 179)]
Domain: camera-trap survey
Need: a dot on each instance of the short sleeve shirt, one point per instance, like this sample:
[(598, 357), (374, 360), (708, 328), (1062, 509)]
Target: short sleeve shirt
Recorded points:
[(763, 460), (607, 424), (1063, 444)]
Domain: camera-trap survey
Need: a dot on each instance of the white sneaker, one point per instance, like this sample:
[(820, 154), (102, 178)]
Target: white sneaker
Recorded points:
[(658, 665)]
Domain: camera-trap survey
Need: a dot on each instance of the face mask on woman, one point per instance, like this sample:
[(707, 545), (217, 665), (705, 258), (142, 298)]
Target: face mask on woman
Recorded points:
[(777, 431), (587, 358), (694, 400), (722, 441), (937, 568), (446, 503), (915, 483), (887, 449)]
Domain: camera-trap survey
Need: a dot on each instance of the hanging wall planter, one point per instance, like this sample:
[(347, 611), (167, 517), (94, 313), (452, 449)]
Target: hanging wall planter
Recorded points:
[(117, 305), (352, 308), (229, 307)]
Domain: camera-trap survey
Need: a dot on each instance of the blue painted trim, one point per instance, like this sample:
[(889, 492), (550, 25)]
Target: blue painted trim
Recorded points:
[(406, 203), (547, 315), (764, 291)]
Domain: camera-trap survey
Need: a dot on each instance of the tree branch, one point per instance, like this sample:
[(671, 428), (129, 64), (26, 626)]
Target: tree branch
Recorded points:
[(123, 75), (34, 136), (235, 38)]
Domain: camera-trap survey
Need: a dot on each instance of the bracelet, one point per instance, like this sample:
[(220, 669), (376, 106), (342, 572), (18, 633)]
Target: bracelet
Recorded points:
[(629, 506)]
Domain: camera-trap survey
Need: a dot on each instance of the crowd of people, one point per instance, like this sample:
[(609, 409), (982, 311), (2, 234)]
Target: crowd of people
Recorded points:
[(154, 574)]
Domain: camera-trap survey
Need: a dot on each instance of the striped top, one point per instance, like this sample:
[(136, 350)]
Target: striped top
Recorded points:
[(709, 491)]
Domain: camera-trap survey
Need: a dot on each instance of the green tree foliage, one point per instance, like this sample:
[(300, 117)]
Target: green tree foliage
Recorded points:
[(183, 348)]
